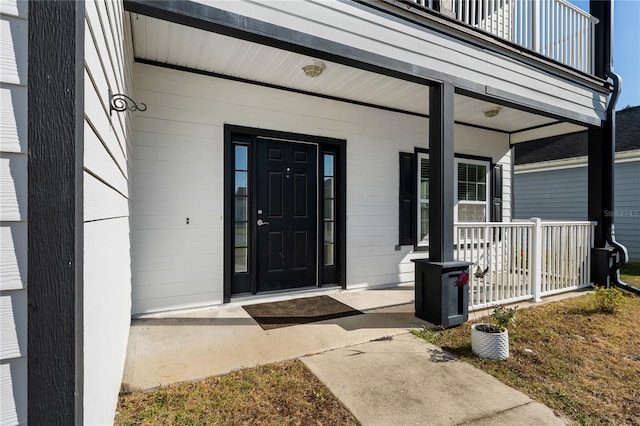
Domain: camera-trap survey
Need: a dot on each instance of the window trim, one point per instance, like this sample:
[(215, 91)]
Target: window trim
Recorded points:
[(487, 163), (459, 158), (420, 155)]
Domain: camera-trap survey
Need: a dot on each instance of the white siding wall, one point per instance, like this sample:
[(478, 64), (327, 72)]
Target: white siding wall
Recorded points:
[(13, 212), (561, 194), (363, 28), (107, 171), (178, 166)]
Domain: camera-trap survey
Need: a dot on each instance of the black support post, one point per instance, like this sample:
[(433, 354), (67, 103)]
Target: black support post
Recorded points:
[(441, 296), (600, 183), (603, 49), (441, 174), (601, 156), (600, 202), (55, 214)]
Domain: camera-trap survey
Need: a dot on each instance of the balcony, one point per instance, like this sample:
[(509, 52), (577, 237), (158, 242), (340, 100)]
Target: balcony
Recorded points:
[(553, 28)]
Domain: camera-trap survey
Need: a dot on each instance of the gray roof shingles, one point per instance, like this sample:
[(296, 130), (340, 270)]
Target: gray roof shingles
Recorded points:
[(575, 144)]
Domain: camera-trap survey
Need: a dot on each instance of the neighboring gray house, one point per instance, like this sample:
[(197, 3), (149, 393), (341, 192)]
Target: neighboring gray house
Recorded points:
[(550, 179)]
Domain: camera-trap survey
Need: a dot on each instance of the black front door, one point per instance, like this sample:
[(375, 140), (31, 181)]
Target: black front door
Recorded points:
[(287, 221)]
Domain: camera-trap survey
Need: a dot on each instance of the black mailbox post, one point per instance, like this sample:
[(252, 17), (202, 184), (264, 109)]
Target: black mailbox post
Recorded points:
[(439, 299)]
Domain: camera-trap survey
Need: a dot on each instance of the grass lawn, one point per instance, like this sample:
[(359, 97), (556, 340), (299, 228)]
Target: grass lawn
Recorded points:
[(583, 364), (285, 393), (631, 274)]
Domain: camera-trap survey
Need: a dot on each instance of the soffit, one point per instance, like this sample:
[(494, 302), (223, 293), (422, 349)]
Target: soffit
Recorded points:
[(175, 44)]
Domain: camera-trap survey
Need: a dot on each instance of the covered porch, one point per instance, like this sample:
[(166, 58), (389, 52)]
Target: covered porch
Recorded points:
[(202, 80)]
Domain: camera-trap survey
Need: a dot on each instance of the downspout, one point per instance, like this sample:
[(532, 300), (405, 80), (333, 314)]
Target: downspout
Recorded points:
[(619, 252)]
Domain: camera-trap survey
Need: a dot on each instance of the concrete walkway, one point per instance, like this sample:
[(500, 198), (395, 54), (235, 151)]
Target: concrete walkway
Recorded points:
[(381, 372)]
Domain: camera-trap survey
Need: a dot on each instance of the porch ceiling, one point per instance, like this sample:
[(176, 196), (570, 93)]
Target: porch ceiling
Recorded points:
[(179, 45)]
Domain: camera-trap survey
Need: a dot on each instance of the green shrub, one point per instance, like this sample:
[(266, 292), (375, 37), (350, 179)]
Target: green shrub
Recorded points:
[(503, 317), (607, 300)]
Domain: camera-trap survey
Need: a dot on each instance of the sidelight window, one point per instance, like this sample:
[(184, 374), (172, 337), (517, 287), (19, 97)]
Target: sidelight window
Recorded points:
[(329, 211), (241, 208)]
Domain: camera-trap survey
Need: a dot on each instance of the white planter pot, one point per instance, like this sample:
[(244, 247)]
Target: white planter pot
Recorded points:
[(489, 345)]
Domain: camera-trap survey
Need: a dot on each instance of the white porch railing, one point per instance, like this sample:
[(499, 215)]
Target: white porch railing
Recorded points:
[(553, 28), (523, 260)]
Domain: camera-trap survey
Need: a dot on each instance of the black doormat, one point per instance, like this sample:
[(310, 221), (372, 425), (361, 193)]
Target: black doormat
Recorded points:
[(298, 311)]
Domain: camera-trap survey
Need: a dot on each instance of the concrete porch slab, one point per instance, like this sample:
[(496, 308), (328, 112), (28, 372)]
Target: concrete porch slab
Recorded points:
[(371, 362)]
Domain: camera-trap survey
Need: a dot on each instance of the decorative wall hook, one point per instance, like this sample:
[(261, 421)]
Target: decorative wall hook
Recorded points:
[(120, 102)]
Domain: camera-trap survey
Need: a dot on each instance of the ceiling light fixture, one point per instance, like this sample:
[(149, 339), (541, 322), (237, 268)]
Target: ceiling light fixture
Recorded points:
[(315, 69), (492, 112)]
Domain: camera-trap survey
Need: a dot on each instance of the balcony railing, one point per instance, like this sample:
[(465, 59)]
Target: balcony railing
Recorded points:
[(553, 28), (524, 260)]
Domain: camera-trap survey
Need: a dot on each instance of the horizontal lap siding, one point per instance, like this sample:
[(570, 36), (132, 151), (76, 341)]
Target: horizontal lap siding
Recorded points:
[(553, 195), (562, 195), (178, 173), (627, 207), (13, 212), (363, 28), (107, 201)]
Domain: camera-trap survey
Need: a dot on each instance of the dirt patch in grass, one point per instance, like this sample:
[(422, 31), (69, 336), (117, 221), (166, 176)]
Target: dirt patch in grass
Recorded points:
[(583, 364), (285, 393)]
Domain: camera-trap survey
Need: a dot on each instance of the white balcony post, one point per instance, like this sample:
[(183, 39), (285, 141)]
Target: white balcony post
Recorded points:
[(535, 26), (536, 259)]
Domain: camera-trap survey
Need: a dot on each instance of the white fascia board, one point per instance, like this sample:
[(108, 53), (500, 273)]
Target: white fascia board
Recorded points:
[(545, 132)]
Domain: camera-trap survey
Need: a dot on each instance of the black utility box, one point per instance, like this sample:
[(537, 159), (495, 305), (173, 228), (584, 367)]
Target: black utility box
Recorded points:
[(601, 264), (439, 299)]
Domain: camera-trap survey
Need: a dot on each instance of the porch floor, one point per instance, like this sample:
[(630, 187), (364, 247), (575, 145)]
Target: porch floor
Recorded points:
[(395, 378)]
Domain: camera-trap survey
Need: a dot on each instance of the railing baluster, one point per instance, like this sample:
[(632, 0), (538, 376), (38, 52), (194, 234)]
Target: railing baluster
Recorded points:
[(567, 267), (565, 261), (582, 258), (551, 255), (544, 27), (505, 251), (558, 239), (544, 260), (515, 261), (482, 251), (495, 248), (554, 30), (572, 32), (500, 11), (584, 276), (576, 255), (533, 274), (562, 257), (567, 37)]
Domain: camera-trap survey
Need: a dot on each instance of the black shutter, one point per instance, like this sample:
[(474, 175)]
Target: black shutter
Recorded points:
[(407, 200), (496, 193)]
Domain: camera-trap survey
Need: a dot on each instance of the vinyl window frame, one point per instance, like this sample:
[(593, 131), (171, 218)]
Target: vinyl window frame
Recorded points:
[(423, 243)]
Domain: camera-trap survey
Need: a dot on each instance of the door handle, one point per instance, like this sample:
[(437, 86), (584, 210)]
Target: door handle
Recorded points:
[(261, 223)]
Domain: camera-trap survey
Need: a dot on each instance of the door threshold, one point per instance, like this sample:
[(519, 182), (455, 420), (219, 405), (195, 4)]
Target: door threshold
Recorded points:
[(278, 295)]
